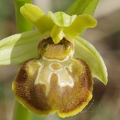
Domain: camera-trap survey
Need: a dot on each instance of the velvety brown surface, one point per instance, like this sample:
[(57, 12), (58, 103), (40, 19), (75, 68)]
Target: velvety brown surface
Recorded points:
[(63, 99)]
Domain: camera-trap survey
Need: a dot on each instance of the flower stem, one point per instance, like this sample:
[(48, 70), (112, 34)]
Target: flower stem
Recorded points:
[(22, 25), (20, 112)]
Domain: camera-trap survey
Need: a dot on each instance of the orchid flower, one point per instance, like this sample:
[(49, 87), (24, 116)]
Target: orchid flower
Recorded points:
[(50, 79)]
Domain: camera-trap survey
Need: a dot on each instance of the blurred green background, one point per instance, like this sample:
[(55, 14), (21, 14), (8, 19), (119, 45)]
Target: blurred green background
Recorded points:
[(105, 37)]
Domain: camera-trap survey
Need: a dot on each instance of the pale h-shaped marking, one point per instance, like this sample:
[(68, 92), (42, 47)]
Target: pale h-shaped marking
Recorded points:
[(54, 67)]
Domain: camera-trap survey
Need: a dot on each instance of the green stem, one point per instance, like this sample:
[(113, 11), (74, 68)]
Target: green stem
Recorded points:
[(22, 25), (21, 113)]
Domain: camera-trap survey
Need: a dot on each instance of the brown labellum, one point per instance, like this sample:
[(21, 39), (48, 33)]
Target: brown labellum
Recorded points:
[(56, 82)]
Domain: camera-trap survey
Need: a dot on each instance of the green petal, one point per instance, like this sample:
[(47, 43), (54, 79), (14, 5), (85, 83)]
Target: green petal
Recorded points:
[(88, 53), (82, 7), (19, 48), (61, 19), (36, 16), (80, 23)]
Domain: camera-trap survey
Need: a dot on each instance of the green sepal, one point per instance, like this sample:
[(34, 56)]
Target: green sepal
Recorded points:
[(80, 23), (82, 7), (36, 16), (19, 48), (89, 54)]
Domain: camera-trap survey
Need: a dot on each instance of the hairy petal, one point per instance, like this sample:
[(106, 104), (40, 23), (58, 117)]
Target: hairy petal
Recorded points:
[(19, 48), (88, 53)]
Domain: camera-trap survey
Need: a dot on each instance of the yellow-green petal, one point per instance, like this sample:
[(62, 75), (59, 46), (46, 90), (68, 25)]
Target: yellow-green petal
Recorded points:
[(62, 19), (80, 23), (88, 53), (18, 48), (36, 16)]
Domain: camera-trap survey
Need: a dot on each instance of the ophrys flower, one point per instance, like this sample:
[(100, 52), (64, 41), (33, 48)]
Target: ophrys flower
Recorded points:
[(51, 80)]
